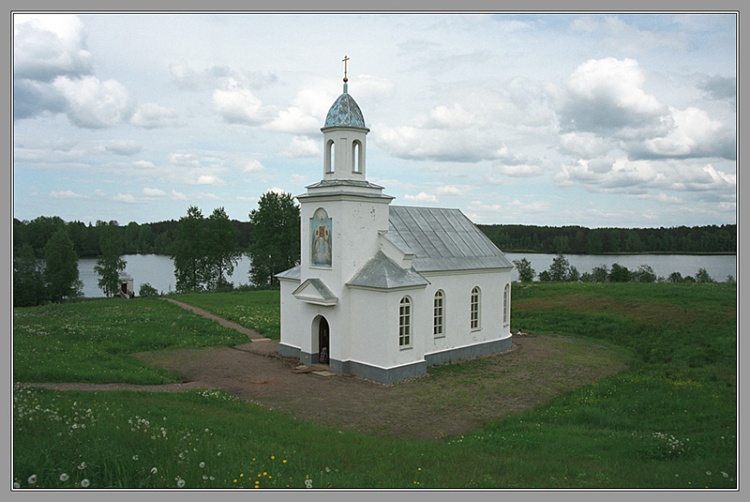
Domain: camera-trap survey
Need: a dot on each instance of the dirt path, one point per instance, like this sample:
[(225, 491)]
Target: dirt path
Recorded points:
[(460, 399)]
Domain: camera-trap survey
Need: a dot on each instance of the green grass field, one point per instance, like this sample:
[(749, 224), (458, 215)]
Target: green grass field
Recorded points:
[(668, 422)]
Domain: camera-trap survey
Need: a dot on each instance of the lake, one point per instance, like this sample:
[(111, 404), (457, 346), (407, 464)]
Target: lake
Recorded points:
[(158, 270)]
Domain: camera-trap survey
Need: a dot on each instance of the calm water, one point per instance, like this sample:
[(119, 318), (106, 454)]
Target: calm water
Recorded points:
[(719, 267), (158, 270)]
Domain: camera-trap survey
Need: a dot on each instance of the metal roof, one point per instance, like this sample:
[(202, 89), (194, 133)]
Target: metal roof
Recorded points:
[(383, 273), (345, 112), (442, 239)]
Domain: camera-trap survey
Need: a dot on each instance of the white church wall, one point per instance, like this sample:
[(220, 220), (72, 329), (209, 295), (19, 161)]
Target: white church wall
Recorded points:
[(457, 290)]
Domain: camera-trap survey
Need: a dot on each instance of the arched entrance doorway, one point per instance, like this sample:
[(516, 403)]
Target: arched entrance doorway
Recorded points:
[(324, 349)]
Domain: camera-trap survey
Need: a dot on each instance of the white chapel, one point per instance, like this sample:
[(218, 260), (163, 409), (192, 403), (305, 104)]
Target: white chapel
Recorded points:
[(384, 291)]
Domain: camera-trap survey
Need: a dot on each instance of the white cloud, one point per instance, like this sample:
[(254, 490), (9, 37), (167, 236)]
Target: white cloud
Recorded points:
[(253, 167), (66, 194), (302, 147), (49, 45), (238, 105), (152, 116), (124, 147), (421, 197), (125, 197), (693, 132), (452, 190), (94, 104), (175, 195), (184, 160), (153, 192)]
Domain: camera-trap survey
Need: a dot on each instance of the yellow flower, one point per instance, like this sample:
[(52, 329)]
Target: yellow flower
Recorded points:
[(272, 457), (283, 461)]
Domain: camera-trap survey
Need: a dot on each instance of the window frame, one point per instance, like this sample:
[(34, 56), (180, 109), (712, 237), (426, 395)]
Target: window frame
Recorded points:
[(438, 314), (475, 309), (404, 323)]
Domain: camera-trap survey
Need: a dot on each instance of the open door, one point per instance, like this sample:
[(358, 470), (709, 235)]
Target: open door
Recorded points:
[(324, 348)]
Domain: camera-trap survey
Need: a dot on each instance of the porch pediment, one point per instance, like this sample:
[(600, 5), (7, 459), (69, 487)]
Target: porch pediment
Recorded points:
[(316, 292)]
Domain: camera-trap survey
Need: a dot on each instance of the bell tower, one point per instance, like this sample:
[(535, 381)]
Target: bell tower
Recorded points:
[(343, 213), (344, 138)]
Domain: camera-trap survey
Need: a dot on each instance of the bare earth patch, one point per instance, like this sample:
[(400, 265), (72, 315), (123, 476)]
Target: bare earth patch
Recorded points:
[(450, 400)]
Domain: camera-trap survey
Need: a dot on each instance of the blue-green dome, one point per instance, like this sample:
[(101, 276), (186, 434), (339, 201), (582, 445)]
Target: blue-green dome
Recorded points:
[(345, 112)]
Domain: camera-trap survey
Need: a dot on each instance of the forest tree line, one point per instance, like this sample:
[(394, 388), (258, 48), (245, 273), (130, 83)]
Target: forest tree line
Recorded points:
[(582, 240), (159, 237)]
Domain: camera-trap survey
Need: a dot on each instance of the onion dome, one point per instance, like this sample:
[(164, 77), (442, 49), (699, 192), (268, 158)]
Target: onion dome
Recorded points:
[(345, 112)]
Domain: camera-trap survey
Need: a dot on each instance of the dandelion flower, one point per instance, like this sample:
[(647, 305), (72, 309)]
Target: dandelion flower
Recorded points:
[(154, 470), (272, 457), (16, 485), (308, 483), (202, 465), (180, 483), (32, 479), (82, 466), (283, 461), (85, 483), (64, 477), (135, 457)]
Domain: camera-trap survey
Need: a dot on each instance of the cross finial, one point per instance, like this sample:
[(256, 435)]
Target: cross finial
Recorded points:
[(345, 60)]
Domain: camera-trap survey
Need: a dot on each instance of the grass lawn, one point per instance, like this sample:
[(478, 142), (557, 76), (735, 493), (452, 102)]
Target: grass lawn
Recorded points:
[(668, 422)]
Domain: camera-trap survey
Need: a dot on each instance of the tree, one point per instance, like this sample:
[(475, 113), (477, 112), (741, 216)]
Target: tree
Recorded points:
[(559, 271), (276, 236), (189, 251), (600, 273), (61, 267), (223, 254), (525, 272), (703, 276), (644, 274), (619, 273), (110, 264), (28, 278)]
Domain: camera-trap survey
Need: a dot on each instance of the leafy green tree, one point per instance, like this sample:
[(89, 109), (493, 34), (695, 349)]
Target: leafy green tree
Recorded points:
[(28, 278), (110, 264), (600, 273), (223, 253), (61, 267), (675, 277), (147, 290), (559, 271), (276, 233), (703, 276), (619, 273), (190, 251), (525, 272), (644, 274)]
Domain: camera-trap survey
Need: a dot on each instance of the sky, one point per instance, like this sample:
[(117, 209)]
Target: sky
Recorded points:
[(593, 119)]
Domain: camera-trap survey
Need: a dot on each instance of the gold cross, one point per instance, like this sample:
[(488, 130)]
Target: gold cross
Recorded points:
[(346, 58)]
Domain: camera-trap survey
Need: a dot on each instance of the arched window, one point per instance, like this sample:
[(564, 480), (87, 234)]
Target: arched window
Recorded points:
[(506, 305), (476, 298), (357, 159), (404, 322), (438, 314), (329, 156)]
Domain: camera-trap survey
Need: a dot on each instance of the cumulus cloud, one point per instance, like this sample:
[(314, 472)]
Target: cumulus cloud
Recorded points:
[(184, 160), (153, 192), (693, 133), (67, 194), (152, 116), (409, 142), (95, 104), (302, 147), (421, 197), (254, 167), (125, 147), (48, 46), (238, 105), (606, 96), (125, 197)]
